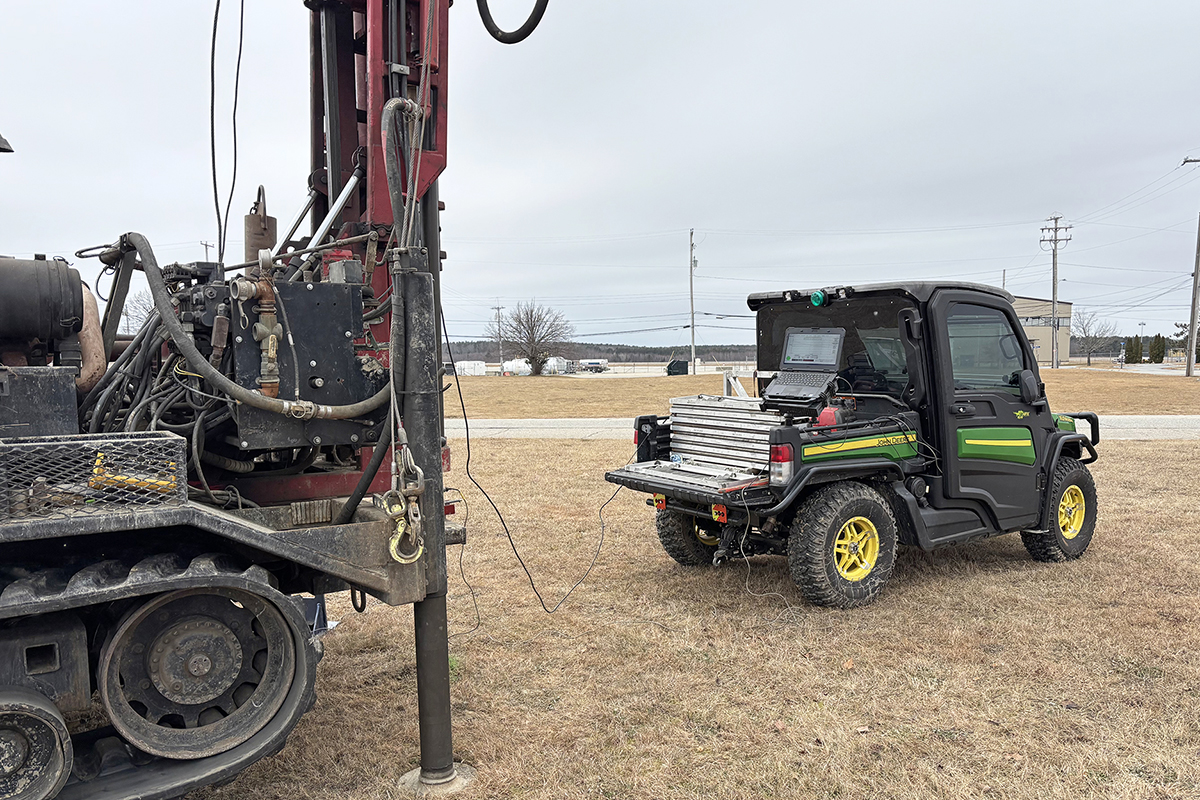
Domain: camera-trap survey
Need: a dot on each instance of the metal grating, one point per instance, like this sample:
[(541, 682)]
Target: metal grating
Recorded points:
[(723, 431), (62, 477)]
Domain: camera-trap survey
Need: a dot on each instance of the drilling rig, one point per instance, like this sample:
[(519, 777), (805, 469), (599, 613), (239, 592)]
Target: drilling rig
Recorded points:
[(167, 496)]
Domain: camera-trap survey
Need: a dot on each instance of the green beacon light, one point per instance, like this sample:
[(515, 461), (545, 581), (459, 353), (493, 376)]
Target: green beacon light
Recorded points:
[(817, 298)]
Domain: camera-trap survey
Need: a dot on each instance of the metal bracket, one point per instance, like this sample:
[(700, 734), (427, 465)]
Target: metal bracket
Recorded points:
[(397, 69)]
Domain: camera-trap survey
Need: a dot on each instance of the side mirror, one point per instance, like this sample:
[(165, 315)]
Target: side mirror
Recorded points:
[(1030, 391)]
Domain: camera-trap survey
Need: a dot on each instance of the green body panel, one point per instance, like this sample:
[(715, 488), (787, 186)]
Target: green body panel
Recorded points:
[(895, 446), (1064, 423), (997, 444)]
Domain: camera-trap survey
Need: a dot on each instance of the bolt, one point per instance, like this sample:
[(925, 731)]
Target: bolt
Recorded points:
[(237, 339), (308, 286), (145, 684), (312, 363), (354, 437), (245, 444), (199, 665), (349, 335), (316, 440), (177, 686), (317, 382), (139, 648)]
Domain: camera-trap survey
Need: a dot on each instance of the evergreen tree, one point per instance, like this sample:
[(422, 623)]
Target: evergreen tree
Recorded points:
[(1133, 350), (1158, 349)]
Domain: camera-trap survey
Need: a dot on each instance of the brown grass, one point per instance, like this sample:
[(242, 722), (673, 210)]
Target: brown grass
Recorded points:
[(1105, 392), (978, 673)]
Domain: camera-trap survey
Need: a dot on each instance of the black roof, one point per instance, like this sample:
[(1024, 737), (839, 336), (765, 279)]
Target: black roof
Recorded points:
[(920, 291)]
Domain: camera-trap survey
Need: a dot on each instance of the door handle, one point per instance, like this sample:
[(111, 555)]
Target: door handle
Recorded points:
[(962, 410)]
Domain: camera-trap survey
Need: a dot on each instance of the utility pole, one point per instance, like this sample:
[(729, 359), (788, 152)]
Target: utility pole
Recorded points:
[(1189, 358), (499, 341), (207, 245), (1056, 236), (692, 291)]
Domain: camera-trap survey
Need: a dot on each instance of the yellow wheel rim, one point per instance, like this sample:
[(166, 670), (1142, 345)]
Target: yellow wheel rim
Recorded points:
[(1071, 510), (856, 549), (707, 538)]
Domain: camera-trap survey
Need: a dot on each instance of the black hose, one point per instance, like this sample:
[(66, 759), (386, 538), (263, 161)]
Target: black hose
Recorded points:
[(187, 348), (521, 33), (364, 483)]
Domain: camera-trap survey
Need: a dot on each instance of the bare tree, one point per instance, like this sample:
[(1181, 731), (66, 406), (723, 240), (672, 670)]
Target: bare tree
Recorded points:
[(1091, 332), (533, 332), (137, 307)]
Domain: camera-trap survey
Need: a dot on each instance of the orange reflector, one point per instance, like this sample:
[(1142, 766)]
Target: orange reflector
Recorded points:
[(720, 513), (660, 502)]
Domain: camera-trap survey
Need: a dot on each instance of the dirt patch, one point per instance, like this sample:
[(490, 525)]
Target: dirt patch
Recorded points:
[(979, 673), (1101, 391)]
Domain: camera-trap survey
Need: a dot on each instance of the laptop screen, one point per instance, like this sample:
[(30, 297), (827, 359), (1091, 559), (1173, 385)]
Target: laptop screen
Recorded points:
[(813, 349)]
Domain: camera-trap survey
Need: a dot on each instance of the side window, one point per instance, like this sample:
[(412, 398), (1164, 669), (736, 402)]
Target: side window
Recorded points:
[(984, 351)]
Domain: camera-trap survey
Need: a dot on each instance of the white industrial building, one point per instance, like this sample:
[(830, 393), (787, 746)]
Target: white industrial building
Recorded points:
[(1035, 313)]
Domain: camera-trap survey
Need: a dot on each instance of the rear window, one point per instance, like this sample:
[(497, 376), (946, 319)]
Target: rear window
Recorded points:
[(872, 360)]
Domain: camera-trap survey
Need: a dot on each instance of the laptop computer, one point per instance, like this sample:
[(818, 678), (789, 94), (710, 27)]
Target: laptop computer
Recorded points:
[(809, 363)]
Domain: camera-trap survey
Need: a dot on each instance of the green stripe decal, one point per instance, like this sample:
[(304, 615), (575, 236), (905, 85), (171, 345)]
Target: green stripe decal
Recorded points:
[(891, 445), (997, 444)]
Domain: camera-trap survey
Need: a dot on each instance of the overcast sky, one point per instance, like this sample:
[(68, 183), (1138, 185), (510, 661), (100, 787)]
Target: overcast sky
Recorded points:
[(808, 144)]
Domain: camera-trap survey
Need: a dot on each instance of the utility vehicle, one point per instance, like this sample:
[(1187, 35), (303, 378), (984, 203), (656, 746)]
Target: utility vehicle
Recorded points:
[(888, 414)]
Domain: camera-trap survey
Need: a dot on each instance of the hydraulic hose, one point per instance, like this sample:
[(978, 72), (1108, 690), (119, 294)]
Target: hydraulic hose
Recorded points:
[(382, 448), (187, 348), (521, 33)]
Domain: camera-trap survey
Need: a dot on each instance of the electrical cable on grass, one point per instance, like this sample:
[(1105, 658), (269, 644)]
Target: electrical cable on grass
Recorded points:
[(511, 542), (461, 570)]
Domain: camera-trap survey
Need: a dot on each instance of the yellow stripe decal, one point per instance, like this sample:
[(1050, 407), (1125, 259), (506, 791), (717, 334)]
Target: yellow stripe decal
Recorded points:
[(863, 444), (1000, 442)]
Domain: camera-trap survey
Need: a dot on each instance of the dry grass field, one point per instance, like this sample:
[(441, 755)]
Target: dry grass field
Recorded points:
[(978, 674), (1102, 391)]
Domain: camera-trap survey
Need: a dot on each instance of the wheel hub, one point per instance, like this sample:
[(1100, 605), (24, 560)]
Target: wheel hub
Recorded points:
[(856, 549), (194, 673), (14, 749), (35, 747), (195, 661), (1071, 512)]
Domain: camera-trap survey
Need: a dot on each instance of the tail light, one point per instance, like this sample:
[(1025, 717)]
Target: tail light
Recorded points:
[(782, 456)]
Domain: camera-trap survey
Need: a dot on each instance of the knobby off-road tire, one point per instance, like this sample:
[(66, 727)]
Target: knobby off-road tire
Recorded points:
[(684, 540), (842, 545), (1072, 515)]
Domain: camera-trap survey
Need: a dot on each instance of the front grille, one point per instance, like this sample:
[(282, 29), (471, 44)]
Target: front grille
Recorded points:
[(61, 477)]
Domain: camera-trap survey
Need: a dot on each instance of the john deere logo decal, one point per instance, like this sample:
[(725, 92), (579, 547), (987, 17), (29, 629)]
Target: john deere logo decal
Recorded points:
[(1021, 414)]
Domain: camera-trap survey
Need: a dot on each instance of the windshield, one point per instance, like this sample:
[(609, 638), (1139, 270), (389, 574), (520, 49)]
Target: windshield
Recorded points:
[(872, 360)]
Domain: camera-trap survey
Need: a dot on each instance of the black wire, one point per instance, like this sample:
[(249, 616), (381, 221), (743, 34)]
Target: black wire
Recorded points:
[(492, 503), (358, 599), (212, 122), (237, 80), (462, 571)]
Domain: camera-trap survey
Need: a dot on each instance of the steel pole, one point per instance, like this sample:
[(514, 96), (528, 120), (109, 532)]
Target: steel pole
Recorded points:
[(1190, 355), (422, 422)]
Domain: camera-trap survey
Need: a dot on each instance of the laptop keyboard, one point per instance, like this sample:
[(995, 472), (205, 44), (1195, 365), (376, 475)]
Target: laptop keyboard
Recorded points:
[(803, 378)]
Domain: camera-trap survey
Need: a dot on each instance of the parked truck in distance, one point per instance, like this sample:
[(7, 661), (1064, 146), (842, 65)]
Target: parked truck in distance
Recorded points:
[(889, 414), (593, 365)]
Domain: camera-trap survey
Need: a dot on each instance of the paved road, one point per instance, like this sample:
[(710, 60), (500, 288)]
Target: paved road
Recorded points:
[(1111, 427)]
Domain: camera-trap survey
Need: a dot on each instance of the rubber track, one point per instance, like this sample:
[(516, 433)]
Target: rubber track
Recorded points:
[(113, 768)]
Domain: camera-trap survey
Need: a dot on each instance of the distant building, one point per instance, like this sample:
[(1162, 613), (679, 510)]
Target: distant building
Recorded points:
[(1034, 313)]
